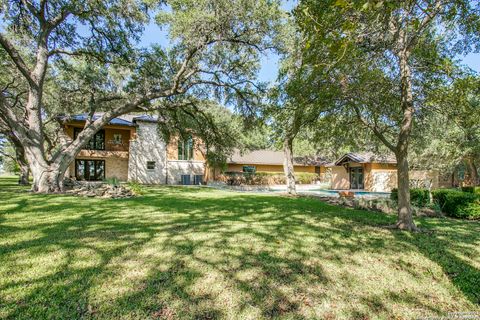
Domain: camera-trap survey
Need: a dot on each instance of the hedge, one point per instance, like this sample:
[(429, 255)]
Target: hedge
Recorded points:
[(418, 197), (458, 204), (475, 190), (265, 178)]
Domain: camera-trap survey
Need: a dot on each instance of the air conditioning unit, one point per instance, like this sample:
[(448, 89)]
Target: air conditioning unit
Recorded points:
[(185, 178), (198, 179)]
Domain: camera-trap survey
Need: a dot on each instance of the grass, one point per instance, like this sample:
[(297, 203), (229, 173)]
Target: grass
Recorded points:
[(198, 253)]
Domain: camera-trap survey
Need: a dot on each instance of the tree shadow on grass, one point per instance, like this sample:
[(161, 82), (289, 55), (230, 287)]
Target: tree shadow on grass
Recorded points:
[(209, 251)]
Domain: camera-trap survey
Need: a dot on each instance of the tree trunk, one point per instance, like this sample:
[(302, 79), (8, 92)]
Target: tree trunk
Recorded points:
[(24, 174), (472, 168), (47, 179), (288, 166), (405, 218), (48, 175)]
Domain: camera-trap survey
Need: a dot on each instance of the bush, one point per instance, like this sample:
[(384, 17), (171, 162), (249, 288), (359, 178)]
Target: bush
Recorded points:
[(470, 189), (418, 197), (458, 204), (306, 177), (136, 188), (264, 178), (114, 182)]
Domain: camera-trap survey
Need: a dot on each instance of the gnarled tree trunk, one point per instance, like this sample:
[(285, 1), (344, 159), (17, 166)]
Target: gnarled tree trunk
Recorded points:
[(288, 166)]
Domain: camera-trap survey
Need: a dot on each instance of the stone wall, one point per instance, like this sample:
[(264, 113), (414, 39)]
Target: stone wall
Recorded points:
[(149, 146)]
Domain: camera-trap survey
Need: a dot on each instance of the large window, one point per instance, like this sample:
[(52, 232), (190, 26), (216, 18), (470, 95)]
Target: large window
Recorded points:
[(185, 149), (90, 170), (249, 169), (96, 143)]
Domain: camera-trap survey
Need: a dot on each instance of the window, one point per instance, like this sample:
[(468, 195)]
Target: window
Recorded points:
[(150, 165), (96, 143), (249, 169), (317, 170), (185, 149), (117, 138), (90, 170)]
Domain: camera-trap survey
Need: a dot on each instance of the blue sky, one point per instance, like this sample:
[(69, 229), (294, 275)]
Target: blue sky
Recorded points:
[(269, 66)]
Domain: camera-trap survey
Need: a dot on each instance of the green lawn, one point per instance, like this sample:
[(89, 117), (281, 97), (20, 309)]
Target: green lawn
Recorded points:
[(198, 253)]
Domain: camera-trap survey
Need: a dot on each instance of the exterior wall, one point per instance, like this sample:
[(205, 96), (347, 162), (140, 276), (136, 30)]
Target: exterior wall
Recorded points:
[(340, 178), (377, 177), (115, 166), (421, 178), (126, 132), (176, 168), (116, 156), (380, 177), (172, 150), (270, 168), (149, 146)]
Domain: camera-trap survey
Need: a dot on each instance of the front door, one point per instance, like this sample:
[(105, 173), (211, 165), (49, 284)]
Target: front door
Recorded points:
[(356, 178)]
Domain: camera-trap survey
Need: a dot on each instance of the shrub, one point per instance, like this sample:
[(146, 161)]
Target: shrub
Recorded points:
[(264, 178), (418, 197), (306, 177), (471, 211), (458, 204), (136, 188), (114, 182), (470, 189)]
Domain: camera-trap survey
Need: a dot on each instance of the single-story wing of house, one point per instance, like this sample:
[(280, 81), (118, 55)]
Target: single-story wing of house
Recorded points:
[(377, 173), (272, 161)]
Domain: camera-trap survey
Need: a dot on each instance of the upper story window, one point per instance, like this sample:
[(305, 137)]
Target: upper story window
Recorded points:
[(96, 143), (117, 138), (185, 149)]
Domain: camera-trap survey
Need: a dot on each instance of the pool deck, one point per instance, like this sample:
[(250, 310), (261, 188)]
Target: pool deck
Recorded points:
[(303, 189)]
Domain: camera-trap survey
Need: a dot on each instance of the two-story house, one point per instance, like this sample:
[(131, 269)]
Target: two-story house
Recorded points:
[(131, 148)]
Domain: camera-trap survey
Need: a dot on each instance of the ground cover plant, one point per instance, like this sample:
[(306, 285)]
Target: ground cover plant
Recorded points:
[(200, 253)]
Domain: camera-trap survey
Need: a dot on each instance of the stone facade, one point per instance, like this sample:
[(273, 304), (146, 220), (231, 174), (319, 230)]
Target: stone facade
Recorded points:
[(138, 153), (152, 161)]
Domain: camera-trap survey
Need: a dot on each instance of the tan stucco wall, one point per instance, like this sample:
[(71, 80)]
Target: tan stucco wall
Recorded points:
[(270, 168), (126, 132), (340, 178), (376, 177), (172, 149), (380, 177)]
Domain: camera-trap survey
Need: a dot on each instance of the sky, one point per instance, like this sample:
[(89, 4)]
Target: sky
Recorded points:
[(269, 63)]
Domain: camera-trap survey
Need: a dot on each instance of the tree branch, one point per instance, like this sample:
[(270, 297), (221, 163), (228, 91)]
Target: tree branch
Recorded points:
[(17, 59)]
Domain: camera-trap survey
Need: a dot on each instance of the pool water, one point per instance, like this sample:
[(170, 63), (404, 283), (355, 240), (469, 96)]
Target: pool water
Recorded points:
[(335, 193)]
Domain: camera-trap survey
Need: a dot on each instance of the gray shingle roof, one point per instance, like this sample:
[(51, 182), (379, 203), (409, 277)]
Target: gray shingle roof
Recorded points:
[(115, 121), (271, 157), (366, 157)]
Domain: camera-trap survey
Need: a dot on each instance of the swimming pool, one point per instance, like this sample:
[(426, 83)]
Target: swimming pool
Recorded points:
[(335, 193)]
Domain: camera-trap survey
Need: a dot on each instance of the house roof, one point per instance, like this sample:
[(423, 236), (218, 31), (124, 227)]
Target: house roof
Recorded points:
[(123, 120), (271, 157), (84, 116), (146, 118), (366, 157)]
